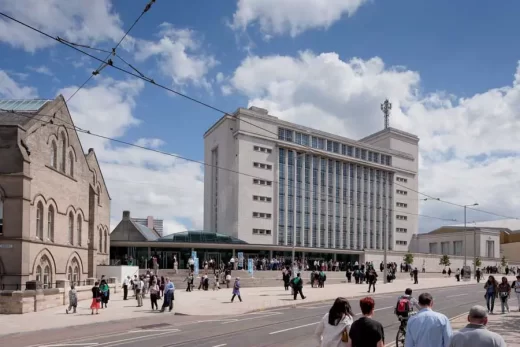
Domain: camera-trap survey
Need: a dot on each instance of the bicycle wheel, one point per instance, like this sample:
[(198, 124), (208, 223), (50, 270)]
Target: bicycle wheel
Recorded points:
[(399, 338)]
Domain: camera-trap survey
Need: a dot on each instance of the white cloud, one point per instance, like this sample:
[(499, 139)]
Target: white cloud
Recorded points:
[(179, 56), (276, 17), (144, 182), (469, 147), (9, 89), (44, 70), (75, 20)]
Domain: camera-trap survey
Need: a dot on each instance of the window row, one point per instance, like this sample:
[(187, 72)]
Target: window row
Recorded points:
[(401, 179), (457, 248), (263, 166), (262, 215), (262, 198), (401, 204), (261, 232), (262, 182), (402, 192), (45, 231), (262, 149), (401, 230), (63, 167), (333, 146), (402, 243), (400, 217)]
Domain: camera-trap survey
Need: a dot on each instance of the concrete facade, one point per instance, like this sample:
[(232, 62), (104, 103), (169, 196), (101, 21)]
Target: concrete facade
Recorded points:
[(56, 207), (273, 199)]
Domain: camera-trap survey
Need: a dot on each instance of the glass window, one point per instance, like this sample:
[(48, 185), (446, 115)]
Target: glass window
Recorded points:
[(100, 249), (63, 151), (71, 228), (47, 277), (54, 155), (50, 223), (39, 220), (71, 164), (78, 226), (39, 273)]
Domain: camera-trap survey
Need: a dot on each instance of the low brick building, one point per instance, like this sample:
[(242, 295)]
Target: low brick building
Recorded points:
[(54, 204)]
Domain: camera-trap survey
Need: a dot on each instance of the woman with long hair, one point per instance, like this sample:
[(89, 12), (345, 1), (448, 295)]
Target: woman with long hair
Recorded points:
[(504, 290), (491, 288), (334, 327)]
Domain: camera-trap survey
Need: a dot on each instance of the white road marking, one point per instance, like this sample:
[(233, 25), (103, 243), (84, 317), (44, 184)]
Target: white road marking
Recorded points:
[(257, 317), (453, 296), (73, 344), (224, 344), (298, 327), (383, 308), (132, 339), (152, 330)]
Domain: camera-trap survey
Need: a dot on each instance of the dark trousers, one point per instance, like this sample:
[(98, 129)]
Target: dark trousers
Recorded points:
[(296, 291), (233, 297), (168, 301), (125, 292), (153, 299), (372, 285), (490, 301), (415, 281)]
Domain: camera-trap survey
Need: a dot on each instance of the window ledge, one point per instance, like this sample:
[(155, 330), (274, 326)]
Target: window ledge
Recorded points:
[(61, 173)]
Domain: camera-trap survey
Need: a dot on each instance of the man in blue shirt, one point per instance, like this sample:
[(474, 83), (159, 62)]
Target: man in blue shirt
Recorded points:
[(169, 289), (428, 328)]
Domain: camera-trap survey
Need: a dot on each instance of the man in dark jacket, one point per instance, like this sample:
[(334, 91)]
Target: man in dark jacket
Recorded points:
[(297, 285)]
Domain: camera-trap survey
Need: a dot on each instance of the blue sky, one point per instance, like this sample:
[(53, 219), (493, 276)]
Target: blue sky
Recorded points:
[(430, 54)]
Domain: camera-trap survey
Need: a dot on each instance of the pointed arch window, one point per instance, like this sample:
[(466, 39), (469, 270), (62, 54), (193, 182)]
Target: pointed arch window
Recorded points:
[(98, 195), (71, 228), (63, 152), (71, 164), (100, 249), (106, 242), (75, 274), (50, 223), (54, 155), (78, 227), (47, 277), (39, 220), (69, 274), (39, 273)]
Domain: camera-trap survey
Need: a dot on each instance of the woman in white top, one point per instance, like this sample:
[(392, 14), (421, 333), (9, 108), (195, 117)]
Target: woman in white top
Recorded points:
[(335, 325)]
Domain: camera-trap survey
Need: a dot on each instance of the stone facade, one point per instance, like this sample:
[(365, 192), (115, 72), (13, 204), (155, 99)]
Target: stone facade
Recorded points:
[(56, 207)]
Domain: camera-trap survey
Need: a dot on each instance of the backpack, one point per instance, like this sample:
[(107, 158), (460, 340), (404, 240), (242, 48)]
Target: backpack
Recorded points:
[(403, 305)]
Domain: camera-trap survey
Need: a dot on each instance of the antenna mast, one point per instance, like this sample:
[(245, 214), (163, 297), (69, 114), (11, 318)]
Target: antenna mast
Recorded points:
[(386, 107)]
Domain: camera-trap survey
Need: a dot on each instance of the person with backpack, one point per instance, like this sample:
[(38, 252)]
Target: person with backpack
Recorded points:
[(322, 279), (405, 304), (297, 286)]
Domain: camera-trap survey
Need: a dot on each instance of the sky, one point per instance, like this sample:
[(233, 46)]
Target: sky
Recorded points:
[(450, 68)]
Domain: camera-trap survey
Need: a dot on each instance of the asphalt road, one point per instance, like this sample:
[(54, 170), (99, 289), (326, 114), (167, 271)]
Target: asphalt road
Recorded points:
[(293, 326)]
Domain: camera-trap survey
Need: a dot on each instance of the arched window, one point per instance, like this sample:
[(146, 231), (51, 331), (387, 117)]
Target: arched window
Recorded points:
[(54, 155), (78, 227), (39, 220), (71, 164), (100, 249), (50, 223), (106, 242), (71, 228), (38, 273), (47, 277), (63, 152), (75, 275), (69, 274)]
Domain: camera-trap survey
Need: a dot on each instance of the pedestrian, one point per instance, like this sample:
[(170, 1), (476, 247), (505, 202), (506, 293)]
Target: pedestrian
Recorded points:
[(154, 295), (478, 274), (297, 286), (139, 292), (126, 283), (236, 290), (476, 333), (372, 279), (415, 274), (504, 291), (286, 276), (366, 331), (169, 290), (516, 287), (334, 327), (428, 328), (457, 275), (105, 293), (96, 298), (73, 299), (491, 288), (189, 282)]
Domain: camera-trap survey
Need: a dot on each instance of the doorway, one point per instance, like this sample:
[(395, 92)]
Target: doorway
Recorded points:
[(213, 255)]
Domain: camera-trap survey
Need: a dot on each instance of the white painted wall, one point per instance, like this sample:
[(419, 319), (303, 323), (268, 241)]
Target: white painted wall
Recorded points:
[(422, 242), (119, 272)]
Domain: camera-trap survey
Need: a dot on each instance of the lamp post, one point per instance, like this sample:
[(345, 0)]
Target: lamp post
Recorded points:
[(465, 236)]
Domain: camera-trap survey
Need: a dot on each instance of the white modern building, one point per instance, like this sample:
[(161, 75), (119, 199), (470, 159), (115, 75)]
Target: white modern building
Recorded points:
[(273, 182)]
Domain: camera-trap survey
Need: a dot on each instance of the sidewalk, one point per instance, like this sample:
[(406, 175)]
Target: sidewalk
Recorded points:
[(208, 303), (504, 324)]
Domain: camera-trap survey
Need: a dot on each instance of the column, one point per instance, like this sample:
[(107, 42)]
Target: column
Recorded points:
[(355, 203), (341, 185)]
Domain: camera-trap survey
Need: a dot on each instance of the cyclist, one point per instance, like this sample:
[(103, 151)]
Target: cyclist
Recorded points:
[(405, 305)]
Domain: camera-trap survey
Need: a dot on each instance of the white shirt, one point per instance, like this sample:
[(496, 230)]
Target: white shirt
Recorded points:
[(330, 335), (517, 287)]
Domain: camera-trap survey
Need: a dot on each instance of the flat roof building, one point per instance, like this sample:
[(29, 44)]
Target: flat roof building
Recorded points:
[(272, 182)]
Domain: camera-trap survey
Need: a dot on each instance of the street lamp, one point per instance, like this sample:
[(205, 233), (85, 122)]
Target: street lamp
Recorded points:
[(465, 236)]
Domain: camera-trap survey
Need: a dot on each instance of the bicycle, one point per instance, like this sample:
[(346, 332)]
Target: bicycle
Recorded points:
[(401, 331)]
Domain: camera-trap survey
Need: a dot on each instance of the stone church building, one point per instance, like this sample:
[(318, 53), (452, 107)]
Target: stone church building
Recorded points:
[(54, 204)]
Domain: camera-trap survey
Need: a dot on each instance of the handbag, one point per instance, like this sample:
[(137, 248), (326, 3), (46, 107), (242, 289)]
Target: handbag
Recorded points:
[(344, 335)]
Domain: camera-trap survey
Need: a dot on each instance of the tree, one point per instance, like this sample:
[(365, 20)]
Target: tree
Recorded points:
[(477, 262), (504, 261), (408, 258), (445, 260)]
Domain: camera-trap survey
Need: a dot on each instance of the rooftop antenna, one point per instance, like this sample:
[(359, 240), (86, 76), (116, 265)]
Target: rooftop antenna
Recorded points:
[(386, 107)]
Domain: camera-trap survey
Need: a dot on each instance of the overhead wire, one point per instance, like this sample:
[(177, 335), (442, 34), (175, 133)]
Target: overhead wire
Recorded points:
[(214, 166), (141, 76)]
